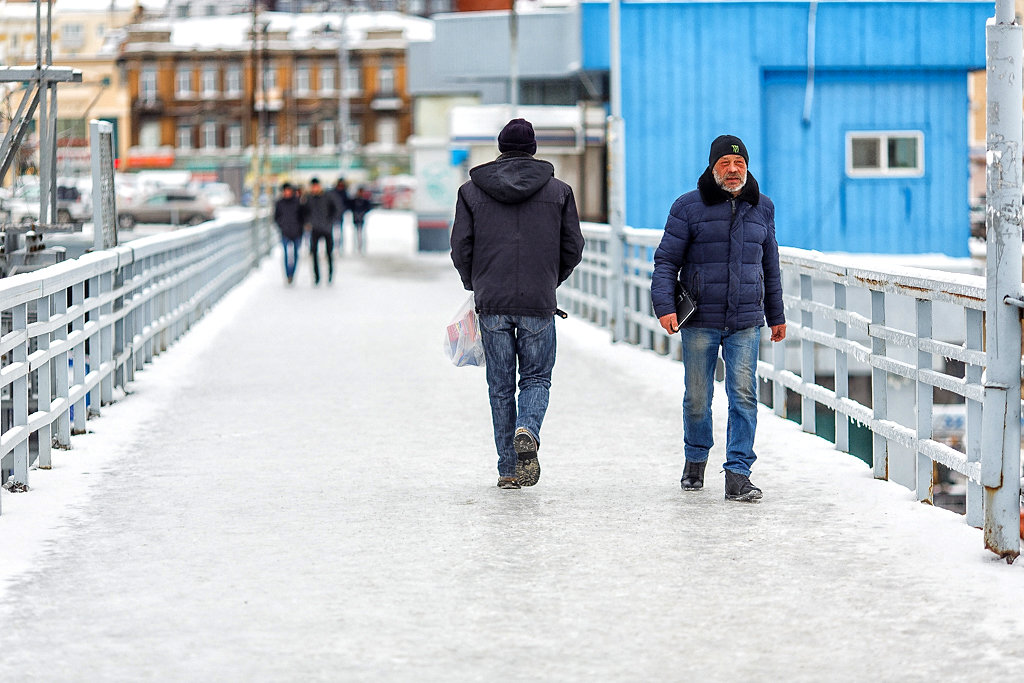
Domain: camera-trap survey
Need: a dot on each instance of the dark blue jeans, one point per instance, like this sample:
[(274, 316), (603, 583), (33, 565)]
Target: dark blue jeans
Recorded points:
[(290, 265), (700, 355), (530, 341)]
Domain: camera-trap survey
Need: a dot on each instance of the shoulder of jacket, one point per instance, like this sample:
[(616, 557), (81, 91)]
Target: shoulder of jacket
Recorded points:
[(767, 202), (682, 204)]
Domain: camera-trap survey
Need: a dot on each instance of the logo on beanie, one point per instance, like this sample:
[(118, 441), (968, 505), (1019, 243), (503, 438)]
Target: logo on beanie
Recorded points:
[(735, 149)]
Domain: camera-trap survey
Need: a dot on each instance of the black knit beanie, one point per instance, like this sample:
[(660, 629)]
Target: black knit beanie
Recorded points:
[(727, 144), (517, 136)]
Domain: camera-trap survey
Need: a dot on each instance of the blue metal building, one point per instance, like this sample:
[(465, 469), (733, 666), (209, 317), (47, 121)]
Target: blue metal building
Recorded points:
[(866, 152)]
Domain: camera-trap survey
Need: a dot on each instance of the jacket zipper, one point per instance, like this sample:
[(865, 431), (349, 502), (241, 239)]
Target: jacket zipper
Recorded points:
[(733, 203)]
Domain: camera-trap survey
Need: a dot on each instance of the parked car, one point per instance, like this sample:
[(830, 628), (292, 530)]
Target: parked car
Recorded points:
[(177, 207), (218, 194), (22, 206)]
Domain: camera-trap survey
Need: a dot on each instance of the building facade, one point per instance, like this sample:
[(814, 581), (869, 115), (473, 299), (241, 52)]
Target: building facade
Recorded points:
[(864, 148), (85, 36), (205, 92)]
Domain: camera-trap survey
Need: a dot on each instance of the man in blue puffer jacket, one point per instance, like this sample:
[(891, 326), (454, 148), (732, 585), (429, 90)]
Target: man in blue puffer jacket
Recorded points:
[(720, 242)]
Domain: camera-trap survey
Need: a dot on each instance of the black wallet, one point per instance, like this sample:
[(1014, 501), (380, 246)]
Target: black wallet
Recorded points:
[(684, 304)]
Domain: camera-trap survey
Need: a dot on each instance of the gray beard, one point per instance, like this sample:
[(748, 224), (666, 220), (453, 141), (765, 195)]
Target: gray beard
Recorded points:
[(721, 182)]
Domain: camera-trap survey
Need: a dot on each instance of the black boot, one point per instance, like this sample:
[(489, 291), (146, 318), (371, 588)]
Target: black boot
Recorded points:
[(738, 487), (693, 476)]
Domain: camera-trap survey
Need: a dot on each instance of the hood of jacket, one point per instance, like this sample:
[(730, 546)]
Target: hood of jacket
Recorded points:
[(513, 177), (711, 193)]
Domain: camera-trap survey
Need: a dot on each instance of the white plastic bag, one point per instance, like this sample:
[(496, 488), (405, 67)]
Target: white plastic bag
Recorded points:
[(462, 342)]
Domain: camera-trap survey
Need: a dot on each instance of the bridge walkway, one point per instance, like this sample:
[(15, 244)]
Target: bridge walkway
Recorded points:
[(305, 491)]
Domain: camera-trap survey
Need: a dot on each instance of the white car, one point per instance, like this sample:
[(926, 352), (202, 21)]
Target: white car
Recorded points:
[(22, 206)]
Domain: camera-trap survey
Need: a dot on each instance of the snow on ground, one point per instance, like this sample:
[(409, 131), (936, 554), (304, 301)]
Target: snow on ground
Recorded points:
[(305, 491)]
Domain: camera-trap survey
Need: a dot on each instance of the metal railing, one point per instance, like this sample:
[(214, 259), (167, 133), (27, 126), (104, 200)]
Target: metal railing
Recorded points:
[(893, 324), (74, 332)]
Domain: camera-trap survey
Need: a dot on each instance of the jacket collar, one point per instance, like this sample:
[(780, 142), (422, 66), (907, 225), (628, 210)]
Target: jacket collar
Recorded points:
[(711, 193)]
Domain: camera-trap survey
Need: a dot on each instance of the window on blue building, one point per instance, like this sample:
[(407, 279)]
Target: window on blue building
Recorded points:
[(883, 154)]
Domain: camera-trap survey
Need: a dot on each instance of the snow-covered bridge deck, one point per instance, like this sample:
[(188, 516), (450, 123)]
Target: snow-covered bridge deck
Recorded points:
[(303, 489)]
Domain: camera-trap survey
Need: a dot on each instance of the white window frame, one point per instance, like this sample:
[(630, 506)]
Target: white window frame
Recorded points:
[(208, 135), (233, 80), (303, 135), (386, 85), (210, 88), (72, 36), (884, 171), (353, 80), (327, 136), (147, 84), (234, 137), (269, 77), (302, 74), (183, 137), (179, 80), (327, 85), (272, 138)]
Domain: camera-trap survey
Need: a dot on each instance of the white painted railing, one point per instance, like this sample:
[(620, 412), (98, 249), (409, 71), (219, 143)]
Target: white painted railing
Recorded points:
[(893, 323), (75, 331)]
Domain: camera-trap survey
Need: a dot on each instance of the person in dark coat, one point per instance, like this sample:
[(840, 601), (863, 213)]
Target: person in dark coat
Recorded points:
[(343, 202), (516, 237), (321, 211), (719, 242), (360, 205), (288, 214)]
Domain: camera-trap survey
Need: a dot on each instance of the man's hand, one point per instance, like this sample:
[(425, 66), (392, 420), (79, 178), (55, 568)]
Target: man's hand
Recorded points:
[(778, 332), (671, 325)]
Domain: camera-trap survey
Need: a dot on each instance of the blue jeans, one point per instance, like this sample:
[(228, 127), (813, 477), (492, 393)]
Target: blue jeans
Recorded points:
[(700, 355), (530, 341), (290, 265)]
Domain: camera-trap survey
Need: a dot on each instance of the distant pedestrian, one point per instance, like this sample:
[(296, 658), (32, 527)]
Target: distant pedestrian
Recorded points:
[(342, 201), (360, 206), (516, 237), (320, 213), (719, 243), (288, 214)]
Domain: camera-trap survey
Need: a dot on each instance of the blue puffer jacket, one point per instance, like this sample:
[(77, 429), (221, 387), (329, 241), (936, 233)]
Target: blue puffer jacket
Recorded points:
[(726, 252)]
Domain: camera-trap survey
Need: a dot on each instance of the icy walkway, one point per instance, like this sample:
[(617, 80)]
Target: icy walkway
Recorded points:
[(309, 495)]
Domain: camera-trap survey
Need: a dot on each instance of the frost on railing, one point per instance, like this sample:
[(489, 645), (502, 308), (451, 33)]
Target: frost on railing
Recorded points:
[(887, 329), (75, 332)]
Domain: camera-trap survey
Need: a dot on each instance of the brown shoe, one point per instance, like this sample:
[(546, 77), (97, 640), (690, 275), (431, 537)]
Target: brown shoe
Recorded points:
[(508, 483)]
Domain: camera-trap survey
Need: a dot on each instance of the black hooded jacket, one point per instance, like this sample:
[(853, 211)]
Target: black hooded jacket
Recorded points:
[(516, 235)]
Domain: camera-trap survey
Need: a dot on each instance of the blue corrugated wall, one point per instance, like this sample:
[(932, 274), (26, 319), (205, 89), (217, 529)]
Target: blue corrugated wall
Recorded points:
[(692, 71)]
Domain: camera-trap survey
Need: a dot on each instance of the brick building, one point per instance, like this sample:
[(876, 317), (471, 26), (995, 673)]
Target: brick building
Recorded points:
[(198, 102)]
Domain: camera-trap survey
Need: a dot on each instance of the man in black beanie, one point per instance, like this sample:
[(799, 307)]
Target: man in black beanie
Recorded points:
[(719, 243), (516, 237)]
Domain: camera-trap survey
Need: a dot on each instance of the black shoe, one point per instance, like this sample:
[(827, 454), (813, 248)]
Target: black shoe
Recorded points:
[(738, 487), (508, 483), (528, 466), (693, 476)]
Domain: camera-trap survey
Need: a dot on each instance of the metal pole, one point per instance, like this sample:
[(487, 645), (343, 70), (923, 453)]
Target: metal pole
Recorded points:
[(513, 61), (344, 109), (1000, 458), (616, 178)]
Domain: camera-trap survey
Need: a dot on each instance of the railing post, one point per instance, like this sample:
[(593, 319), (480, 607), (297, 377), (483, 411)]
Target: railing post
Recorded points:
[(61, 372), (974, 325), (925, 468), (78, 355), (807, 355), (778, 389), (616, 138), (94, 355), (879, 408), (106, 337), (43, 386), (19, 393), (1005, 142), (842, 374)]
